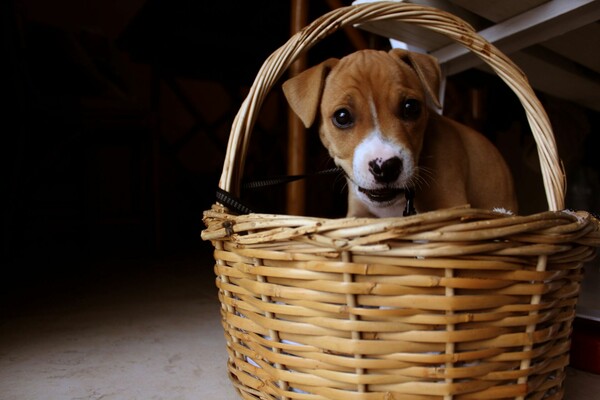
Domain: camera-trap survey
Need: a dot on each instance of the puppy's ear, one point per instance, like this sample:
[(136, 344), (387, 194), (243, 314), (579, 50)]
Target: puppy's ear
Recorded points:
[(427, 69), (303, 92)]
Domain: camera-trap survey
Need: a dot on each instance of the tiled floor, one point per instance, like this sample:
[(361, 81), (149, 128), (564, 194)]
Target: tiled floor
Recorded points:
[(155, 335)]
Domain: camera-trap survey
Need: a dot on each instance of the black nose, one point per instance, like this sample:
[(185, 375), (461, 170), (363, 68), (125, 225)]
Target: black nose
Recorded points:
[(387, 171)]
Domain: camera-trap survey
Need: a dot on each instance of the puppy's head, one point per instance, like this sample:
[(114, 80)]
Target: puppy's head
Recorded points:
[(372, 111)]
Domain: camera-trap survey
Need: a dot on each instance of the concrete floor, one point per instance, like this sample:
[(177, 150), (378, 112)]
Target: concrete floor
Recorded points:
[(154, 334)]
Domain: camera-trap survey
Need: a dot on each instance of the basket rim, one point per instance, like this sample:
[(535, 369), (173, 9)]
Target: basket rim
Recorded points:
[(553, 174)]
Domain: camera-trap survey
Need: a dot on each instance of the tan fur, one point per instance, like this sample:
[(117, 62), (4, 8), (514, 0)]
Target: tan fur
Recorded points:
[(453, 165)]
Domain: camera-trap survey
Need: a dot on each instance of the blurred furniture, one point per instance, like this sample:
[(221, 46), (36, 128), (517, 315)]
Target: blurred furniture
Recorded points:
[(555, 42)]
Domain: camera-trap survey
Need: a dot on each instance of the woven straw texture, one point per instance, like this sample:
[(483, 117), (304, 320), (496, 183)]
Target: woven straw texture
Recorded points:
[(452, 304)]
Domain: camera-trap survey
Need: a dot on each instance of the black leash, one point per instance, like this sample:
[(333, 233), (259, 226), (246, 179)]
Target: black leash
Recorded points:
[(231, 202), (238, 206), (409, 209), (280, 180)]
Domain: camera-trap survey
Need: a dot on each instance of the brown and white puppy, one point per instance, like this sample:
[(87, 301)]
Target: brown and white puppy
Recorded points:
[(375, 122)]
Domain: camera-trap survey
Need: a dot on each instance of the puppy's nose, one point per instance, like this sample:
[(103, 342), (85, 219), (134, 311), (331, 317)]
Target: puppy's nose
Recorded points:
[(387, 171)]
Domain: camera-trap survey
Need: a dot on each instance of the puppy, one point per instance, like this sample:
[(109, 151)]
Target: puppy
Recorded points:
[(374, 118)]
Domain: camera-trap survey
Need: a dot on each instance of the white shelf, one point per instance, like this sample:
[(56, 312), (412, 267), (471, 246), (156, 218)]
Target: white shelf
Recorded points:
[(556, 42)]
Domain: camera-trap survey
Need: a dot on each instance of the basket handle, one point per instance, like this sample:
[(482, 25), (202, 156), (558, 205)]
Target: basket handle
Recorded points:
[(427, 17)]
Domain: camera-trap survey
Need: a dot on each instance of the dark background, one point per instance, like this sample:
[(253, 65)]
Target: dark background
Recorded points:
[(116, 115)]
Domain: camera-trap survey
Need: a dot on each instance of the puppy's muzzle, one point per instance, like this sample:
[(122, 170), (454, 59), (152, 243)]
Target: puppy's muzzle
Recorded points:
[(385, 171)]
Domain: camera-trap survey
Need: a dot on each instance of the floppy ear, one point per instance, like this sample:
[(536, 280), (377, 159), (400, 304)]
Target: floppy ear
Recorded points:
[(427, 69), (303, 92)]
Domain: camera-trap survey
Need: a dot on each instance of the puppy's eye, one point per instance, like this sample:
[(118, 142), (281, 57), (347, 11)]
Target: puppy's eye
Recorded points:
[(343, 118), (410, 109)]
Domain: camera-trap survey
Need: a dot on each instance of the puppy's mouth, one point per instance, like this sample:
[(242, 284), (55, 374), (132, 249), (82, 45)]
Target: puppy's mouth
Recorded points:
[(382, 195)]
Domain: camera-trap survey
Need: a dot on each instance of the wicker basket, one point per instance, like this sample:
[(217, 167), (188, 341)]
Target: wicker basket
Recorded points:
[(453, 304)]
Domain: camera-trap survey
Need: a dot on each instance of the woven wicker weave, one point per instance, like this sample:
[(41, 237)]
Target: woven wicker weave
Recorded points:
[(453, 304)]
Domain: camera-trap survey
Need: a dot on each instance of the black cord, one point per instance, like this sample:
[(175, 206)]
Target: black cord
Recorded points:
[(409, 194), (236, 205), (280, 180), (232, 202)]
